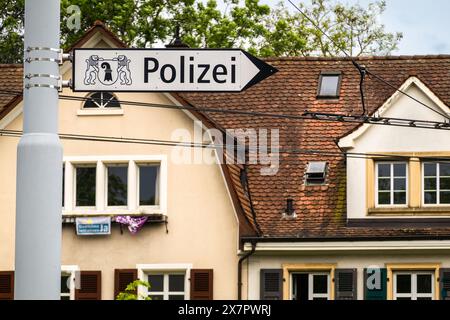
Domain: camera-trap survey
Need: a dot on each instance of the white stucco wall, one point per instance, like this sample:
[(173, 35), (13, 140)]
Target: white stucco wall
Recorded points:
[(389, 139)]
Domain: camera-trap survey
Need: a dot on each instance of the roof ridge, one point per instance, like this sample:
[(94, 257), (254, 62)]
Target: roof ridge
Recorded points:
[(364, 58)]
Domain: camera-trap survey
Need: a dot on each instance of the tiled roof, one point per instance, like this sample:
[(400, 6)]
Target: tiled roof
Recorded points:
[(321, 210), (10, 80)]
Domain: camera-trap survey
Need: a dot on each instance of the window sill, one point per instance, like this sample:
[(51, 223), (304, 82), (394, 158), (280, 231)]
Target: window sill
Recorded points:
[(113, 213), (100, 112), (424, 211)]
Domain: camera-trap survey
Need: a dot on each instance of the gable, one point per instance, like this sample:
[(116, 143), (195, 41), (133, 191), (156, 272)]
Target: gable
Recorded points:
[(427, 108)]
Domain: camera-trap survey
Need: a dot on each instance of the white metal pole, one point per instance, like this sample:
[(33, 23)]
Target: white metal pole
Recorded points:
[(39, 160)]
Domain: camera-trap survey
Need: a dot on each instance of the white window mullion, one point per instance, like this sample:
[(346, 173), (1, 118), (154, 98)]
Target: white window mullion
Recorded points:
[(438, 183), (69, 187), (166, 286), (133, 188), (392, 184)]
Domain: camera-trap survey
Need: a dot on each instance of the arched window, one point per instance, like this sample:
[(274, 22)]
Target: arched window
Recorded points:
[(101, 100)]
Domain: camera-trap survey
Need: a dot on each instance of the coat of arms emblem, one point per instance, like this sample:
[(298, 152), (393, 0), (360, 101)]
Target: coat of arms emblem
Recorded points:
[(107, 71)]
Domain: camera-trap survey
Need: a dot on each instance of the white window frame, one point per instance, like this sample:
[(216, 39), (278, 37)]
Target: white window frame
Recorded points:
[(71, 271), (438, 187), (74, 179), (166, 269), (392, 205), (139, 164), (413, 295), (101, 207), (107, 164), (311, 294)]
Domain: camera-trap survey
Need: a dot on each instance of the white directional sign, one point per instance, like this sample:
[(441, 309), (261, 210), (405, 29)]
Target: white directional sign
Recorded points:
[(181, 70)]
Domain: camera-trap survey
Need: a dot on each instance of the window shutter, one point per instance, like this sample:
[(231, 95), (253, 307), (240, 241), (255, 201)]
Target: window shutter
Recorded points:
[(345, 284), (201, 284), (122, 278), (6, 285), (271, 284), (90, 286), (444, 283), (375, 293)]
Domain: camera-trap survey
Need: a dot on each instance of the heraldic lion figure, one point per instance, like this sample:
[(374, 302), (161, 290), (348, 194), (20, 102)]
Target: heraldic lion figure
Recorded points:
[(91, 70), (124, 70)]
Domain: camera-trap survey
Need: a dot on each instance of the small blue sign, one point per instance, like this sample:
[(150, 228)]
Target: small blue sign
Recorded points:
[(93, 226)]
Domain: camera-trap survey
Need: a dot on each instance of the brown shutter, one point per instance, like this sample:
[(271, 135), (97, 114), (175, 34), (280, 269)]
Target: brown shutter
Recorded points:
[(90, 286), (122, 278), (271, 284), (345, 281), (201, 284), (6, 285)]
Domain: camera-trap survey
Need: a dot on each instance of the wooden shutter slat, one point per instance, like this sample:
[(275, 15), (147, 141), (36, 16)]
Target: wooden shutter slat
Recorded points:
[(122, 278), (345, 284), (444, 283), (271, 284), (376, 293), (90, 286), (201, 284), (6, 285)]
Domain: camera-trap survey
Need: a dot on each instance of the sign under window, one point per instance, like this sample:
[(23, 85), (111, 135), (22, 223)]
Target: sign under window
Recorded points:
[(93, 226)]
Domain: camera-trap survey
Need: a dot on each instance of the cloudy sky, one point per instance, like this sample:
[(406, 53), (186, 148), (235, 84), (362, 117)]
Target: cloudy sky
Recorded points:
[(425, 24)]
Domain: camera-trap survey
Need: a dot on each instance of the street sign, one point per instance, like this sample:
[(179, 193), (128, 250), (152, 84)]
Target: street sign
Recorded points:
[(93, 226), (166, 70)]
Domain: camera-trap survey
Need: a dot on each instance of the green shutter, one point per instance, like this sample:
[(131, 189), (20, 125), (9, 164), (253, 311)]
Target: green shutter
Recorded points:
[(371, 292), (444, 283)]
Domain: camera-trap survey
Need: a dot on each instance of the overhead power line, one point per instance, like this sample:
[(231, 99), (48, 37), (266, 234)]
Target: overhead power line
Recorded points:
[(170, 143), (398, 122), (366, 70)]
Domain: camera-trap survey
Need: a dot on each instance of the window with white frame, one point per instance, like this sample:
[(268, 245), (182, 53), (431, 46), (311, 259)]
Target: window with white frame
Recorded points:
[(391, 184), (85, 185), (310, 286), (115, 184), (148, 184), (167, 286), (414, 285), (68, 276), (436, 183)]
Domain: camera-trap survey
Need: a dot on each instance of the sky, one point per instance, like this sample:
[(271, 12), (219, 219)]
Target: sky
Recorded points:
[(425, 24)]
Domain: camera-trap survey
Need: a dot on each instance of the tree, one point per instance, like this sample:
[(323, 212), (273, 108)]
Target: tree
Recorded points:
[(351, 28), (247, 24), (131, 291), (11, 30)]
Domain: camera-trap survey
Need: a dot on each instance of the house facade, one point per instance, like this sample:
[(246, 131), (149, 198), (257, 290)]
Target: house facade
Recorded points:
[(167, 218), (350, 211), (356, 211)]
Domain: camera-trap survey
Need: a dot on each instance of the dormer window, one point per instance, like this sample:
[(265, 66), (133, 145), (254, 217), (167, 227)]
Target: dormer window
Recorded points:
[(316, 173), (101, 100), (329, 85)]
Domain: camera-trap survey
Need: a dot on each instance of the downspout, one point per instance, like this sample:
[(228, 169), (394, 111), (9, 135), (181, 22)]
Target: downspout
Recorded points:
[(241, 260)]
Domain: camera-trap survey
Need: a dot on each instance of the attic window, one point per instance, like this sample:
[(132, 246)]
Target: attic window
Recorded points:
[(329, 85), (101, 100), (316, 173)]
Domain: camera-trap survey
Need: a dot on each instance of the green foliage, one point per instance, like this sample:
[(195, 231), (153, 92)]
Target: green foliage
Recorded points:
[(11, 30), (131, 291), (247, 24)]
